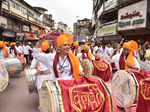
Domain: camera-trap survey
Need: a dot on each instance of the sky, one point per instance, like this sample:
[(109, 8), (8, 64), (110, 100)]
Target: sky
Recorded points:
[(67, 11)]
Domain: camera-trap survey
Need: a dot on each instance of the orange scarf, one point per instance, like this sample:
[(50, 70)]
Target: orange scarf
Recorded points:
[(74, 62), (89, 56), (131, 46)]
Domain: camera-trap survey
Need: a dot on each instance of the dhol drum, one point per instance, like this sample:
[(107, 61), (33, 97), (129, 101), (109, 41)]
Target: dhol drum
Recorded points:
[(31, 79), (4, 78), (88, 67), (13, 66), (102, 69), (49, 97), (87, 97), (125, 88)]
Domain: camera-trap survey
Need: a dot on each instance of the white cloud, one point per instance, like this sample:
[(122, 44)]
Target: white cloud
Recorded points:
[(66, 10)]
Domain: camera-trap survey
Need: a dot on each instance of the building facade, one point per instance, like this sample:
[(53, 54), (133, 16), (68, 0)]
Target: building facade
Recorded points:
[(82, 30), (116, 19), (19, 21)]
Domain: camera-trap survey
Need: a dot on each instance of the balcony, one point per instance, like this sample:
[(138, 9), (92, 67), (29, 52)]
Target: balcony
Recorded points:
[(123, 3)]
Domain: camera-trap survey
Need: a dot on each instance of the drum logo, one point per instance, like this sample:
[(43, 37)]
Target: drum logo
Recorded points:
[(87, 98), (145, 89)]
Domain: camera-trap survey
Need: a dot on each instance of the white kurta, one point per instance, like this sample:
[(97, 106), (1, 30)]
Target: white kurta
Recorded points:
[(45, 63), (1, 54), (116, 58), (47, 60)]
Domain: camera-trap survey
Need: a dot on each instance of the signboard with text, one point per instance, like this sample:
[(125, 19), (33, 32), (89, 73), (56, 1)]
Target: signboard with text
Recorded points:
[(133, 16), (107, 30)]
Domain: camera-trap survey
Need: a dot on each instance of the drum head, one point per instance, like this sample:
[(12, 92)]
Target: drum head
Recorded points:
[(124, 88), (87, 67), (4, 78)]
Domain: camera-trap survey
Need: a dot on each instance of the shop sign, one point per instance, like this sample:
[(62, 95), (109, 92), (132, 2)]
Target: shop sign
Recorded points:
[(34, 28), (110, 4), (133, 16), (26, 28), (107, 30), (3, 22), (8, 34)]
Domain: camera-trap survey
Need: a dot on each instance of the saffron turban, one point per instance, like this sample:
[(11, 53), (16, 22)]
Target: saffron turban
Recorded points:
[(1, 43), (76, 44), (64, 39), (12, 44), (44, 46), (131, 46), (85, 47)]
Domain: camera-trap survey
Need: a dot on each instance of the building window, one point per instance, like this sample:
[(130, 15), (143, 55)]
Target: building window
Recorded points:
[(30, 14), (24, 10)]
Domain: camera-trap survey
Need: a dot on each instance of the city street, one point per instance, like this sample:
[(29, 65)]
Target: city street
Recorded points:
[(16, 97)]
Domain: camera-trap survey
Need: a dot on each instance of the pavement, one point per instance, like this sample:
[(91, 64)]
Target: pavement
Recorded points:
[(16, 97)]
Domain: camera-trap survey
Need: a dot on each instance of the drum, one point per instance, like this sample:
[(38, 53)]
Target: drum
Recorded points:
[(54, 94), (13, 66), (125, 88), (102, 69), (49, 97), (31, 79), (88, 67), (4, 78)]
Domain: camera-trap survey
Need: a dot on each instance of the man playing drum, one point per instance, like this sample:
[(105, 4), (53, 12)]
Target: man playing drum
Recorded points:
[(125, 59)]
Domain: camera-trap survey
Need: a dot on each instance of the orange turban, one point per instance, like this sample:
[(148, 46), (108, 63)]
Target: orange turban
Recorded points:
[(2, 44), (76, 44), (85, 47), (44, 46), (12, 44), (64, 39), (131, 46)]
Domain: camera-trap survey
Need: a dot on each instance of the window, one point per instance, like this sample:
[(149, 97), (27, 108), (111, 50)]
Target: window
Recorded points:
[(24, 10), (30, 14), (12, 4)]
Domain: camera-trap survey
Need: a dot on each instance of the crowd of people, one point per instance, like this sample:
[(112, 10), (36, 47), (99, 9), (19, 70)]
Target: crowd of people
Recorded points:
[(61, 59)]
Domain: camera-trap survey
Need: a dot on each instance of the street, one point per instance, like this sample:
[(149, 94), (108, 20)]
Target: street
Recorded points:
[(16, 97)]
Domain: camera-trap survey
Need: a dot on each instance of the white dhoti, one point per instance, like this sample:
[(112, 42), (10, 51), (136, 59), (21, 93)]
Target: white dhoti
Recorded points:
[(41, 78)]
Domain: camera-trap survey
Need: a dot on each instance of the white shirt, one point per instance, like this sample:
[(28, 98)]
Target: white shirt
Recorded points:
[(116, 58), (26, 49), (64, 72), (47, 60), (1, 54), (21, 49)]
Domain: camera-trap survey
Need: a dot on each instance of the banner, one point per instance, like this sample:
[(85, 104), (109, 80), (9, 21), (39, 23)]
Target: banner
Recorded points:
[(86, 94)]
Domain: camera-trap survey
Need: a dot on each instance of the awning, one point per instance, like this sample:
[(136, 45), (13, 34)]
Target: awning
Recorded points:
[(30, 37)]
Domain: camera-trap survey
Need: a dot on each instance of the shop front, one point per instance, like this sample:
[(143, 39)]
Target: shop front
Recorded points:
[(108, 33), (9, 35), (134, 21)]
